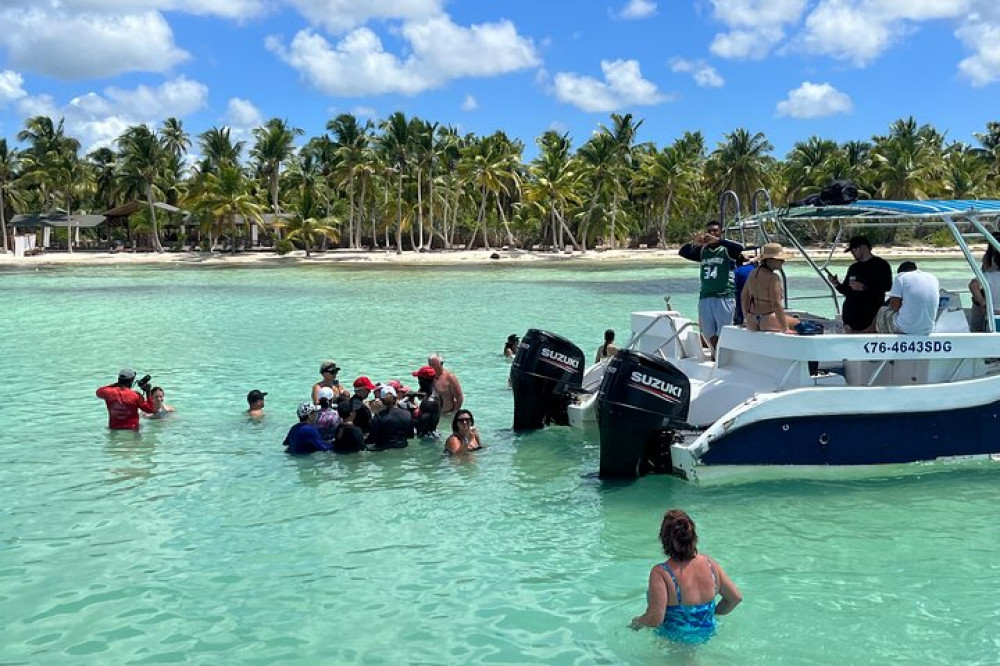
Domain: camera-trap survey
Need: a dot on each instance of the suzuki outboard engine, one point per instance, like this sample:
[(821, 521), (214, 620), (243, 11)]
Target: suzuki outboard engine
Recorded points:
[(643, 401), (546, 369)]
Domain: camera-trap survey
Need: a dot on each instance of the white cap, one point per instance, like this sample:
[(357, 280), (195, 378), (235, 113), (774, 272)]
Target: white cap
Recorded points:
[(387, 390), (326, 392)]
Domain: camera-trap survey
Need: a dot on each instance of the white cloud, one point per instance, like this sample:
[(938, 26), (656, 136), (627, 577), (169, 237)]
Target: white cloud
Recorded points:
[(78, 46), (638, 9), (98, 119), (704, 74), (11, 87), (368, 112), (235, 9), (469, 103), (983, 66), (439, 51), (342, 15), (858, 31), (814, 100), (755, 26), (243, 114), (623, 86)]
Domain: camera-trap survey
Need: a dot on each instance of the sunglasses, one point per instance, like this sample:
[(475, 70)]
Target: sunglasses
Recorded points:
[(464, 421)]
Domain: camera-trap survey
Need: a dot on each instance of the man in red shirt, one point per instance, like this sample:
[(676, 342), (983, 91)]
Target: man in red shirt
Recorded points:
[(124, 402)]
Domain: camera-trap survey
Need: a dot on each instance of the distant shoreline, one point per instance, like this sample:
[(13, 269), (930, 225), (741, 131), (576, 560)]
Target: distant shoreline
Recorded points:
[(423, 259)]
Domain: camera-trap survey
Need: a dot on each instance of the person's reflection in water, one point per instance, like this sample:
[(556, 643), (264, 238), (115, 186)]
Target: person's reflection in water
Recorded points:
[(135, 450)]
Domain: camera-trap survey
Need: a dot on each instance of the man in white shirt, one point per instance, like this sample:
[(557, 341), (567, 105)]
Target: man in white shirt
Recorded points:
[(913, 303)]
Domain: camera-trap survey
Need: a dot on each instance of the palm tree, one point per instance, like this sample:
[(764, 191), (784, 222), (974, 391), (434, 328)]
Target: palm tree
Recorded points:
[(351, 140), (218, 149), (622, 135), (670, 176), (175, 140), (310, 230), (226, 197), (552, 184), (598, 158), (275, 143), (395, 141), (908, 162), (808, 165), (104, 163), (488, 165), (144, 159), (51, 163), (741, 163), (966, 173), (9, 164)]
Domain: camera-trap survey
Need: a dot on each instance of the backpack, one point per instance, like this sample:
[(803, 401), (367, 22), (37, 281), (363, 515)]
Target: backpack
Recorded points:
[(839, 193)]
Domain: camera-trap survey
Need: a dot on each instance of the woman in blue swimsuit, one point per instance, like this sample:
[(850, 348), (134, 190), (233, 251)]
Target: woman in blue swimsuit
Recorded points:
[(680, 601)]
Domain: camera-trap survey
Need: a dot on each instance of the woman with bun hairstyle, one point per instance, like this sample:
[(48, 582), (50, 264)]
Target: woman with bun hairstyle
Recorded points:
[(680, 600)]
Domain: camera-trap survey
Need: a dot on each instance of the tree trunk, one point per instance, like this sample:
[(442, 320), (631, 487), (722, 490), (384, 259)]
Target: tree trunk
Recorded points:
[(479, 222), (152, 218), (420, 208), (564, 227), (614, 216), (503, 218), (3, 221), (350, 217), (361, 206), (665, 219), (399, 214), (430, 211)]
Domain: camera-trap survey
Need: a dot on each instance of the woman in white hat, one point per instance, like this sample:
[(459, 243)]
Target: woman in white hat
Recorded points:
[(763, 297)]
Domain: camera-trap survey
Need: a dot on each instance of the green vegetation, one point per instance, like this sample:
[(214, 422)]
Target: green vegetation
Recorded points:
[(411, 184)]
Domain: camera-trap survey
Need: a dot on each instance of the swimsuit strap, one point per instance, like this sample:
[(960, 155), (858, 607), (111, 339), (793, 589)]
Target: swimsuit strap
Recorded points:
[(677, 585)]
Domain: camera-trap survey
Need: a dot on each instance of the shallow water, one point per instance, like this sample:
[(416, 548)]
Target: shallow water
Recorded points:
[(199, 541)]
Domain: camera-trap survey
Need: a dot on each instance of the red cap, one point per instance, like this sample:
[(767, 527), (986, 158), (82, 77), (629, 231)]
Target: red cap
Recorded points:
[(426, 371), (364, 383)]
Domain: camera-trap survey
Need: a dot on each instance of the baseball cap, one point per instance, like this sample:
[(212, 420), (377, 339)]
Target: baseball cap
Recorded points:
[(329, 366), (126, 373), (858, 241), (363, 383), (398, 385), (424, 372), (387, 390), (305, 409), (255, 395), (326, 392)]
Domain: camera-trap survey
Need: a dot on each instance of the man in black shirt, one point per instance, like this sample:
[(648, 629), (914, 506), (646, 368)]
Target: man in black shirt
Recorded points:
[(864, 288), (392, 426), (363, 415)]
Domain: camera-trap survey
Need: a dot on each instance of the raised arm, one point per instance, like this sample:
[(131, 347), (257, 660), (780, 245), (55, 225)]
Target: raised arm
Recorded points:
[(691, 252)]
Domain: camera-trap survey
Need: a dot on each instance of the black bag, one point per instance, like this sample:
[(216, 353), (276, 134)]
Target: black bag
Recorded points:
[(839, 193)]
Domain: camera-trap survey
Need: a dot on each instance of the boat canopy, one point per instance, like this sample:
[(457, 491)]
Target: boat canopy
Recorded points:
[(881, 209)]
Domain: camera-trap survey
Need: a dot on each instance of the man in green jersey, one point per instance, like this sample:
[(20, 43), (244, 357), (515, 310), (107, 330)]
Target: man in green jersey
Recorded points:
[(717, 296)]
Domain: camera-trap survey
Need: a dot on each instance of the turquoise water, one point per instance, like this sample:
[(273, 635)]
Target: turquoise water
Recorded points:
[(199, 541)]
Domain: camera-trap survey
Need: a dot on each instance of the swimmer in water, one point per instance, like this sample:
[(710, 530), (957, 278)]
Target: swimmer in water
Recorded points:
[(464, 436), (447, 388), (161, 409)]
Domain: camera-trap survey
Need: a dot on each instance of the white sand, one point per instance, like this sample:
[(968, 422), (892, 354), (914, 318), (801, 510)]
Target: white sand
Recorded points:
[(434, 258)]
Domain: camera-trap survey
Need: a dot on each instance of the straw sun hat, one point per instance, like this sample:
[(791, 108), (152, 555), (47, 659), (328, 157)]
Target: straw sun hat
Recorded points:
[(772, 251)]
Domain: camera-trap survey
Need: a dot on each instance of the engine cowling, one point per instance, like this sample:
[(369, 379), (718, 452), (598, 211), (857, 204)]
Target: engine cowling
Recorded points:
[(546, 369), (643, 400)]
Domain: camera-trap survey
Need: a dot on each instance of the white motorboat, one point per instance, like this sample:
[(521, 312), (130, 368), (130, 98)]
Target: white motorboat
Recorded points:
[(663, 405)]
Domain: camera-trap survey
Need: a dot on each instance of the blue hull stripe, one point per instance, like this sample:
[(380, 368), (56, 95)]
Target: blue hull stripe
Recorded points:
[(868, 439)]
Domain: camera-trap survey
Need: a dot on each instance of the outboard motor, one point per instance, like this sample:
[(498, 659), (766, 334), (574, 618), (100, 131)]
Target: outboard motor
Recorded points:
[(642, 402), (546, 369)]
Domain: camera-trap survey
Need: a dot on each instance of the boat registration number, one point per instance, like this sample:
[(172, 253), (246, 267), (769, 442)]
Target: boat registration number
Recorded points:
[(908, 347)]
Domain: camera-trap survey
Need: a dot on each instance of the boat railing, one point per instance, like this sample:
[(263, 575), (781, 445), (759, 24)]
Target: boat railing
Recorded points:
[(637, 337)]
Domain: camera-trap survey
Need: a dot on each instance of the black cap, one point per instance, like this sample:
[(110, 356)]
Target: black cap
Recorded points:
[(255, 395), (858, 241)]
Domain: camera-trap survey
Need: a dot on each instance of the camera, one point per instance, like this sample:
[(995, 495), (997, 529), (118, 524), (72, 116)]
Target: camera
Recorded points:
[(145, 384)]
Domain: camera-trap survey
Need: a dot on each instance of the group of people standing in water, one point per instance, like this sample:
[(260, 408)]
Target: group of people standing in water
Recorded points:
[(382, 416)]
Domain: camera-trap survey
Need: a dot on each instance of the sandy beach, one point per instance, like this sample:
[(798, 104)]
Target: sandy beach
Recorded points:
[(432, 258)]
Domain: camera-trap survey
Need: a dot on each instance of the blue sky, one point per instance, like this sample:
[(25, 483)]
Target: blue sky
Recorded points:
[(842, 69)]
